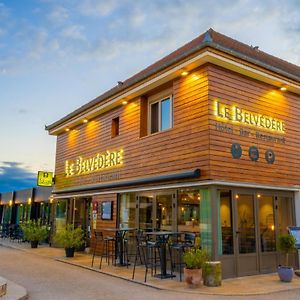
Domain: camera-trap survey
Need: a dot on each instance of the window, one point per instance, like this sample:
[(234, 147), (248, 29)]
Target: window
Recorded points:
[(160, 115), (115, 127)]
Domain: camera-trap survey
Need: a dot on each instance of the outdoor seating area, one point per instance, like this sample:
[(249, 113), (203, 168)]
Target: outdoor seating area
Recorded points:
[(158, 253), (11, 231)]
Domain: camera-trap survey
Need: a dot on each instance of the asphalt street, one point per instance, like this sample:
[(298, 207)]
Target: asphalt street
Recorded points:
[(45, 279)]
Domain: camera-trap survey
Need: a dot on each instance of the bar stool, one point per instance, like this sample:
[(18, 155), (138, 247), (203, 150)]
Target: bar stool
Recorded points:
[(180, 246), (147, 251), (107, 249), (98, 240)]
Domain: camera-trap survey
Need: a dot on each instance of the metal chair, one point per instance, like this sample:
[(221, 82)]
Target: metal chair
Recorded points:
[(180, 246)]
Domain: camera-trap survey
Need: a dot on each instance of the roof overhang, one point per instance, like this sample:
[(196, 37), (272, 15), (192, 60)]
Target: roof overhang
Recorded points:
[(213, 55)]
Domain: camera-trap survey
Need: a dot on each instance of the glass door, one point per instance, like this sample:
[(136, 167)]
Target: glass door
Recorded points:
[(157, 211), (246, 234), (146, 212), (164, 216)]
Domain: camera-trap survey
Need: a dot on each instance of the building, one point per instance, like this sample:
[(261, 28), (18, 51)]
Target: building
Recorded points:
[(20, 206), (204, 140)]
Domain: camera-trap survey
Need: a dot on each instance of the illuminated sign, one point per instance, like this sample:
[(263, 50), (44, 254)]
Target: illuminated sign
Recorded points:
[(44, 178), (96, 163), (236, 114)]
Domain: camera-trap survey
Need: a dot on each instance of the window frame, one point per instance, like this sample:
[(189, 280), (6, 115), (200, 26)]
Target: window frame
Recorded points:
[(159, 100)]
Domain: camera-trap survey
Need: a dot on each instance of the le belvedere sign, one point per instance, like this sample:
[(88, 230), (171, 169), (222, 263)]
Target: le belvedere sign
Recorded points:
[(238, 115), (96, 163)]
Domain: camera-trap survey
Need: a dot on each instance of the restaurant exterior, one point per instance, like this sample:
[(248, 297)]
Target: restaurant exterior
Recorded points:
[(205, 140)]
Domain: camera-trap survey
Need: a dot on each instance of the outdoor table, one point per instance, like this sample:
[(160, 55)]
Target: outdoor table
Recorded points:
[(162, 237), (120, 233)]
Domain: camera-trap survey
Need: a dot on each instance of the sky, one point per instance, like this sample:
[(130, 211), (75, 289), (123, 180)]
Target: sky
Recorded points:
[(56, 55)]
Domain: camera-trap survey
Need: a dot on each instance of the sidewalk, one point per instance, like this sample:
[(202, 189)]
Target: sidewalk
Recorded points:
[(249, 285)]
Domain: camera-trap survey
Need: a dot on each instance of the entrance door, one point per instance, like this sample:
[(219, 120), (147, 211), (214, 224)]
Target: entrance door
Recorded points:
[(156, 211), (81, 216), (246, 235)]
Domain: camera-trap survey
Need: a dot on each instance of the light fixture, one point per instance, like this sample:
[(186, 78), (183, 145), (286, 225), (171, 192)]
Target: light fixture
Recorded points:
[(283, 88), (124, 102), (51, 200), (67, 129), (195, 76), (184, 73), (85, 120), (236, 196), (29, 201), (10, 203), (258, 195)]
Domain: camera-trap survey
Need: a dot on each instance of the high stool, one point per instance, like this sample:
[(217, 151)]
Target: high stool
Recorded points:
[(146, 251), (107, 249), (180, 247)]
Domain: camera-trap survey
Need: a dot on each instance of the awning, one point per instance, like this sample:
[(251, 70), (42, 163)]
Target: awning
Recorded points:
[(121, 183)]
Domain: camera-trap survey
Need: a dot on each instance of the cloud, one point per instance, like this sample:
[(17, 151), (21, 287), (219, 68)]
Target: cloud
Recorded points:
[(22, 111), (74, 32), (58, 15), (15, 176), (97, 7)]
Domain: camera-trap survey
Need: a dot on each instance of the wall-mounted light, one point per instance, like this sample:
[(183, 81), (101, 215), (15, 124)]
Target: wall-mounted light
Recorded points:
[(236, 196), (184, 73), (283, 88), (67, 129), (124, 102), (258, 195), (10, 203), (85, 120), (29, 200)]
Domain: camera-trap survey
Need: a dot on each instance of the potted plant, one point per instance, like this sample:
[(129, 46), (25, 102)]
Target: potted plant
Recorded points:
[(70, 238), (286, 245), (194, 260), (34, 232)]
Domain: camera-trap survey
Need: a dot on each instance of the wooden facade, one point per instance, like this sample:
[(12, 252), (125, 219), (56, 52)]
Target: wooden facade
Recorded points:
[(194, 141), (257, 148)]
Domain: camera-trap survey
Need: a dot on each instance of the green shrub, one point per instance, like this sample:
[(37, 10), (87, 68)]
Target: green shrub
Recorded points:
[(69, 237), (34, 231), (195, 258), (286, 245)]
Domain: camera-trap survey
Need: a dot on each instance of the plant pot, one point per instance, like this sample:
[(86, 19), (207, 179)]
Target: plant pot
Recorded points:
[(193, 277), (212, 273), (285, 273), (70, 252), (34, 244)]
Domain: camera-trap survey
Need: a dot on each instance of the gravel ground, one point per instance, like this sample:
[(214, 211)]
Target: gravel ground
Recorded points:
[(46, 279)]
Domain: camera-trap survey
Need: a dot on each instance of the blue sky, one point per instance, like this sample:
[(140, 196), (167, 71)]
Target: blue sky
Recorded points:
[(57, 55)]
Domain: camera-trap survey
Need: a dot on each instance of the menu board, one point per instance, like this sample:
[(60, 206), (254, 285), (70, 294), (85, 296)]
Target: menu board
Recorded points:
[(107, 210), (295, 232)]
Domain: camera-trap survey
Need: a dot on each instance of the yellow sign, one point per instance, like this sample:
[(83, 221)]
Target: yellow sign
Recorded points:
[(98, 162), (44, 178), (237, 114)]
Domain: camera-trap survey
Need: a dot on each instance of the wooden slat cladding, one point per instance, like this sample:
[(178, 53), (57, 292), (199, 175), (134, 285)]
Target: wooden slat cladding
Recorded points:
[(183, 147), (101, 225), (233, 89)]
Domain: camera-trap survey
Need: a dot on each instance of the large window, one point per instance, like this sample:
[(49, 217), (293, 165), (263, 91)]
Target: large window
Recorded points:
[(160, 115)]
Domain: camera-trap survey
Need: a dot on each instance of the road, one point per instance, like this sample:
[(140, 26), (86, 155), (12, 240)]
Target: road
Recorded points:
[(47, 279)]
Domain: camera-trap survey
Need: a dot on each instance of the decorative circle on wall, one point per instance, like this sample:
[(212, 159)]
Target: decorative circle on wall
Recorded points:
[(270, 156), (236, 150), (253, 153)]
